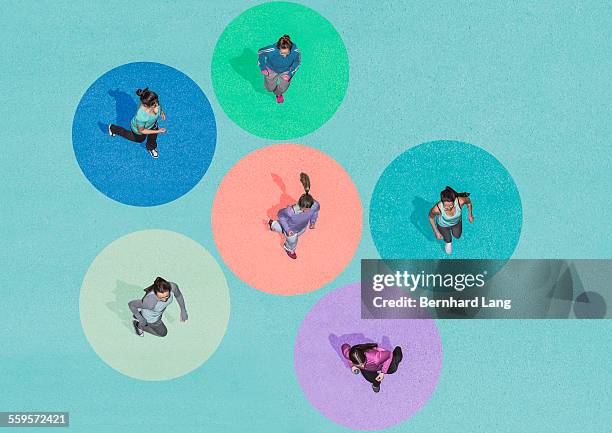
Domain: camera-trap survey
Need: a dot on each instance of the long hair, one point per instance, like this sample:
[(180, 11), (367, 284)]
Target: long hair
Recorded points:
[(449, 195), (148, 98), (284, 43), (357, 352), (306, 200), (159, 286)]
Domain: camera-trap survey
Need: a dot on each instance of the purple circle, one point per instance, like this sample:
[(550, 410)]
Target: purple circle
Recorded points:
[(348, 399)]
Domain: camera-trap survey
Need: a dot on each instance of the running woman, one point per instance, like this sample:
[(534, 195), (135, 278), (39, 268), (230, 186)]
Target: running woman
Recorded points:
[(279, 62), (293, 220), (372, 362), (144, 123), (148, 311), (445, 216)]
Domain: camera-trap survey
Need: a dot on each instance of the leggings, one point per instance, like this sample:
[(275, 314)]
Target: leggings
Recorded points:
[(446, 232), (274, 82), (138, 138), (370, 376), (158, 328)]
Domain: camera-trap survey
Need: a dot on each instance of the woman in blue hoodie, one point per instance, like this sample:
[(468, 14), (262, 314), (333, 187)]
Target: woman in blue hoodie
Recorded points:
[(293, 220), (278, 63)]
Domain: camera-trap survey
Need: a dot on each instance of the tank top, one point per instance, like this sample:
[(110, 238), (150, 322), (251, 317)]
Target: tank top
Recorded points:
[(449, 221)]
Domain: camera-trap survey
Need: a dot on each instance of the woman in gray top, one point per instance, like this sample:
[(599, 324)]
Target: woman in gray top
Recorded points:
[(148, 311)]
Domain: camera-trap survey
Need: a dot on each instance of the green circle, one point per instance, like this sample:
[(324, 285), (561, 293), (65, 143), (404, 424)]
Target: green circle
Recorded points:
[(316, 90), (121, 272)]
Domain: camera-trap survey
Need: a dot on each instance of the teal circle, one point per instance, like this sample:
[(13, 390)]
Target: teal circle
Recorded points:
[(411, 185), (120, 273), (316, 90)]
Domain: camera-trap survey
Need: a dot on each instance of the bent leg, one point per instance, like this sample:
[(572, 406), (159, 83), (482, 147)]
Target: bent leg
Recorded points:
[(457, 229), (158, 329), (270, 81), (128, 135), (282, 84), (446, 233)]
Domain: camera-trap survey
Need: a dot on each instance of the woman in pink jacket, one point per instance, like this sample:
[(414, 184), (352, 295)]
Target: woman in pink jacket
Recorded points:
[(372, 361)]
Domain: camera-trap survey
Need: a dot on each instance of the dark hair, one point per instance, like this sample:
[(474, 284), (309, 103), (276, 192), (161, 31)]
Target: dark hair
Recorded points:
[(148, 98), (284, 42), (357, 352), (159, 286), (449, 194), (306, 200)]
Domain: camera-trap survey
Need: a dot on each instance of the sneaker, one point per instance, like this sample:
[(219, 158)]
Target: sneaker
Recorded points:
[(448, 247), (376, 388), (137, 329), (110, 132), (154, 153), (280, 99), (293, 255)]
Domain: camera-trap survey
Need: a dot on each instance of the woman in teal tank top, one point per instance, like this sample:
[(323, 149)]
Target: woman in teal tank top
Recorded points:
[(144, 123), (445, 216)]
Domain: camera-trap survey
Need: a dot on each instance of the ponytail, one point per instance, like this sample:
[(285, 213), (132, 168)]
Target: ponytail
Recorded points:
[(148, 98), (357, 352), (159, 286), (449, 194), (306, 200)]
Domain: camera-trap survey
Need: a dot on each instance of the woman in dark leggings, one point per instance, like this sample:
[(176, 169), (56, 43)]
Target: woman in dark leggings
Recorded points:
[(372, 361), (445, 216), (148, 311), (144, 123)]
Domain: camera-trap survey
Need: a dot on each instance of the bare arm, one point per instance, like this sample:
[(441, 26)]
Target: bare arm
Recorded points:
[(432, 213), (466, 201)]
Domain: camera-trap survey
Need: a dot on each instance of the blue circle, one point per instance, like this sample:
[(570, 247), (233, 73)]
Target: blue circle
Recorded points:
[(411, 185), (124, 170)]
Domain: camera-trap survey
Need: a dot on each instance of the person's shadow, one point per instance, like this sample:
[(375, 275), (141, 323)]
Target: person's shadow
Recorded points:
[(284, 200), (123, 293), (125, 109), (420, 217), (246, 66), (353, 339)]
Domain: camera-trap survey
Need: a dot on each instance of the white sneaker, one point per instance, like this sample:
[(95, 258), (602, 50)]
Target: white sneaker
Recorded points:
[(110, 132), (448, 248)]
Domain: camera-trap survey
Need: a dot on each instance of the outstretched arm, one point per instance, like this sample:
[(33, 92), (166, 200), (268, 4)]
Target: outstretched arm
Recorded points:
[(181, 301), (296, 62), (468, 202)]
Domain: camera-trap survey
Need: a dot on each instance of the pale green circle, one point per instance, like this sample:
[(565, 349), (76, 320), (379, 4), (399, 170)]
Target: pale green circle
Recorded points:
[(120, 273)]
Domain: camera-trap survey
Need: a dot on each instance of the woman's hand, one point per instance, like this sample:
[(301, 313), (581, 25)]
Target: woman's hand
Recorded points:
[(183, 317), (286, 77), (355, 370), (290, 233), (471, 218), (163, 115), (380, 377), (161, 130), (312, 226), (438, 235), (265, 72)]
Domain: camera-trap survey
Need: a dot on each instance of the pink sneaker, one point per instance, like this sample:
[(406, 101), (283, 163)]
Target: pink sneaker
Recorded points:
[(280, 99)]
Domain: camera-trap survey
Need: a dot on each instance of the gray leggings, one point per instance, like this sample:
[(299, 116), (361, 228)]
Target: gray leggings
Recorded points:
[(274, 82), (158, 328), (446, 232)]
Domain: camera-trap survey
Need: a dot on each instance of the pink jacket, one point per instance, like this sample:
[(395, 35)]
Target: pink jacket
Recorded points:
[(377, 358)]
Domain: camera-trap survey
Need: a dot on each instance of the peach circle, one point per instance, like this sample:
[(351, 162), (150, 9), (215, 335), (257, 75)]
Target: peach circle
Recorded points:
[(255, 189)]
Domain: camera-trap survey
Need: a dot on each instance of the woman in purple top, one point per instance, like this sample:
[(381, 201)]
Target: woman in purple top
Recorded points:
[(374, 362), (293, 220)]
